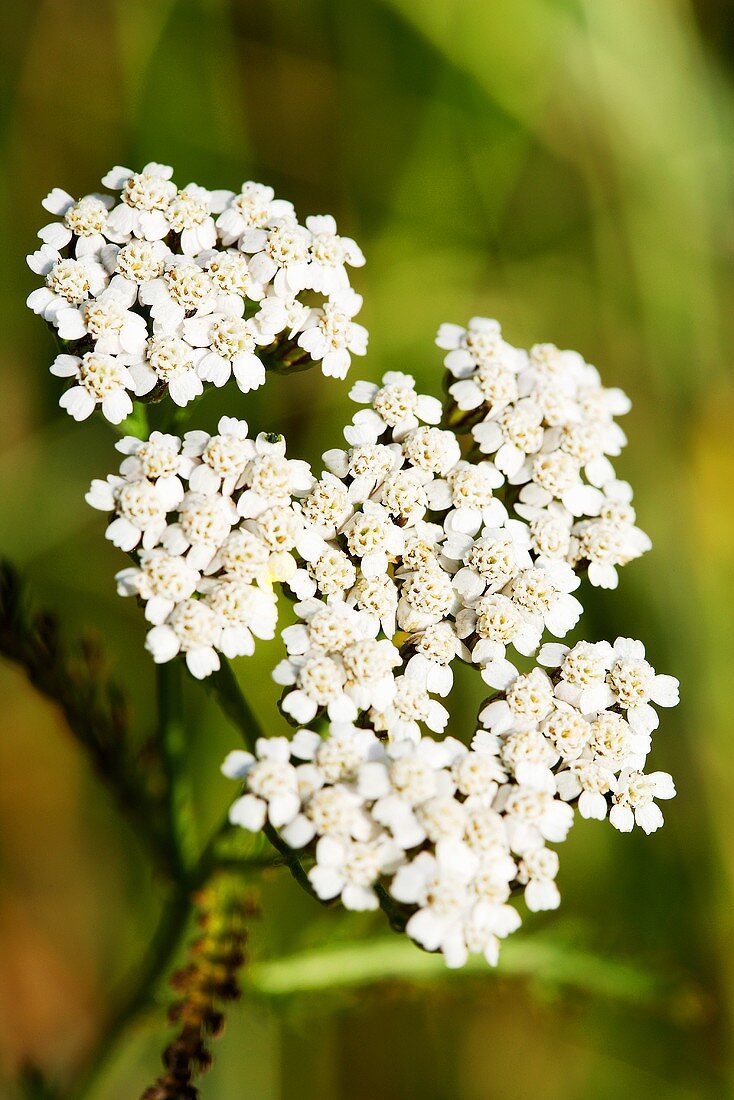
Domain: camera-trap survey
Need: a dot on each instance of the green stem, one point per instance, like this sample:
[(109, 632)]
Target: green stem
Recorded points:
[(139, 992), (286, 357), (233, 703), (292, 862), (396, 915), (458, 420), (172, 739), (223, 849), (136, 424), (228, 694)]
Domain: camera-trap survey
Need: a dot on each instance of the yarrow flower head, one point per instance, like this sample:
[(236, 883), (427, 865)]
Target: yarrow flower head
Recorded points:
[(416, 555), (419, 820), (191, 510), (436, 534), (155, 289)]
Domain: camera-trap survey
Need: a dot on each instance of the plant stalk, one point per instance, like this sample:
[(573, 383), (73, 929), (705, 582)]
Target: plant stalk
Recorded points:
[(172, 738)]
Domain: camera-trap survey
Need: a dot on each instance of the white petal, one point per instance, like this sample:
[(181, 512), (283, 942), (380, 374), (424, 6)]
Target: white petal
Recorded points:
[(665, 691), (202, 661), (78, 402), (359, 898), (162, 642), (622, 818), (237, 764), (100, 496), (57, 201), (249, 812), (649, 818), (117, 405), (326, 881), (592, 804)]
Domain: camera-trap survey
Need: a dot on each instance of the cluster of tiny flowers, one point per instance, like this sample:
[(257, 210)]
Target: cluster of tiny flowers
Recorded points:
[(584, 731), (414, 820), (211, 524), (449, 834), (549, 426), (434, 534), (156, 289), (376, 634), (461, 556)]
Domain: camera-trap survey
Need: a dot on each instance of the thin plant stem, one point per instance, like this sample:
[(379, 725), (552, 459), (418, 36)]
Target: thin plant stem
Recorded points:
[(139, 992), (235, 706), (394, 912), (228, 694), (172, 739), (292, 862), (136, 423), (217, 853)]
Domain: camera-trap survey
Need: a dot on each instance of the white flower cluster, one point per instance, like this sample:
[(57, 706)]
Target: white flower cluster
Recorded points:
[(416, 820), (435, 534), (585, 731), (155, 289), (406, 534), (376, 633), (211, 522), (413, 555), (549, 425), (451, 833)]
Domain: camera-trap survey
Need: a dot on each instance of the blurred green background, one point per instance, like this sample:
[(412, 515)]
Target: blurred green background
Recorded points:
[(565, 166)]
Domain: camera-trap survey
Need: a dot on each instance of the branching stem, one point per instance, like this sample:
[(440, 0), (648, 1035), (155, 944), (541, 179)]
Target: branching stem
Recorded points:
[(233, 703)]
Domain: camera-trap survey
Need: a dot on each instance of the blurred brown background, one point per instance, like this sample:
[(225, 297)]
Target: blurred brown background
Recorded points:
[(565, 166)]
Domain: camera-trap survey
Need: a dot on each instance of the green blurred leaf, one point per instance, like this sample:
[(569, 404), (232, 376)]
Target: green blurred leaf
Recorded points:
[(397, 959)]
